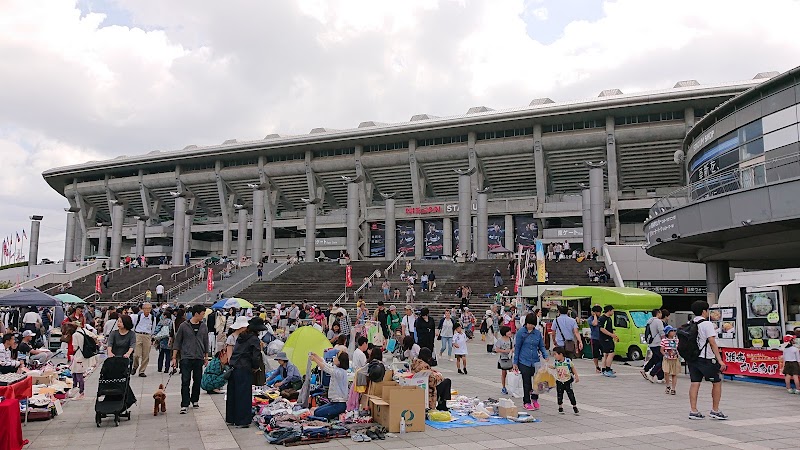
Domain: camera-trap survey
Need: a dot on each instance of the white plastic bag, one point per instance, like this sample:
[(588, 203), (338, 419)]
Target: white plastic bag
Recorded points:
[(274, 347), (514, 384)]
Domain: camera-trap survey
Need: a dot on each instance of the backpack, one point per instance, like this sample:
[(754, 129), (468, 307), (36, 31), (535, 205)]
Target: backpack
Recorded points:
[(484, 327), (648, 333), (89, 348), (687, 341)]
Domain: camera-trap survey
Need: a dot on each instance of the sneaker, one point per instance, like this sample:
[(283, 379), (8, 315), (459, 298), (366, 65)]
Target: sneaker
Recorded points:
[(142, 375), (535, 405), (451, 359), (611, 374), (504, 391), (195, 405), (184, 410), (791, 391), (696, 415), (561, 410), (465, 370), (672, 391), (668, 390), (718, 415), (575, 411), (660, 381), (528, 406), (459, 371)]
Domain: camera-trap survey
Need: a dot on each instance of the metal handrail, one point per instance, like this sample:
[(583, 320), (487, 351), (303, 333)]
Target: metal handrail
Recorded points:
[(393, 264), (94, 295), (283, 267), (147, 280), (179, 288), (390, 268), (174, 276)]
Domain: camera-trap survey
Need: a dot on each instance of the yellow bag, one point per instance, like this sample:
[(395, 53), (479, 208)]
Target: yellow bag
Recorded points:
[(440, 416), (543, 381)]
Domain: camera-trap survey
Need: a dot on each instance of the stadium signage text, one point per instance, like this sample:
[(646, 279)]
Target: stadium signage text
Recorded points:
[(431, 209)]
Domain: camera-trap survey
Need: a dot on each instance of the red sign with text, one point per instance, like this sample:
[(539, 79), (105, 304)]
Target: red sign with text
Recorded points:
[(424, 209), (210, 282), (753, 362), (98, 284), (348, 276)]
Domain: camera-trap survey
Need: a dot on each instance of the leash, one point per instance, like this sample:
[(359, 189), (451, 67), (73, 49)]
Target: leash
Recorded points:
[(171, 373)]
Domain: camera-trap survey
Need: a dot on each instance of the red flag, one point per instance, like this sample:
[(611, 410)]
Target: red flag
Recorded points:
[(348, 276), (210, 281), (98, 284)]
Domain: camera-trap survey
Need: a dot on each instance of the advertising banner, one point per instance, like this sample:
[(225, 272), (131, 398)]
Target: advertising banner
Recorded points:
[(348, 276), (540, 269), (377, 239), (497, 232), (405, 238), (210, 280), (753, 362), (434, 236), (455, 235), (526, 231), (98, 284)]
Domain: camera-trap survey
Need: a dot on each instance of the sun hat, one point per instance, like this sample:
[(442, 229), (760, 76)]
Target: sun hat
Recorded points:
[(240, 322), (281, 357), (256, 324)]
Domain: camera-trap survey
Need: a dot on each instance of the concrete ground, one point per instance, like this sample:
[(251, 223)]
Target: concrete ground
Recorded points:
[(625, 412)]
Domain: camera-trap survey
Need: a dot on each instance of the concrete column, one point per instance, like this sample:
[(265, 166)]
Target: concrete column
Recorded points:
[(419, 239), (141, 227), (226, 240), (187, 234), (102, 242), (117, 219), (258, 225), (390, 226), (269, 218), (464, 215), (69, 243), (179, 222), (447, 239), (311, 232), (33, 252), (510, 230), (587, 219), (80, 241), (597, 207), (539, 166), (482, 233), (717, 277), (365, 232), (241, 238), (352, 221), (613, 176)]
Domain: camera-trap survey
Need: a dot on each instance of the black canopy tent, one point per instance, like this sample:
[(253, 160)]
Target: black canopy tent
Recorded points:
[(29, 297)]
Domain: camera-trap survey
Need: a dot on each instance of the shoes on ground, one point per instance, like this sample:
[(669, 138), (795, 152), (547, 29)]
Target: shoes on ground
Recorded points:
[(718, 415), (696, 415), (184, 410)]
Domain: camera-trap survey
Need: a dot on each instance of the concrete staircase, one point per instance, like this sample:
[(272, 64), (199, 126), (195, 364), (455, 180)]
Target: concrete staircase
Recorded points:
[(231, 286), (122, 279)]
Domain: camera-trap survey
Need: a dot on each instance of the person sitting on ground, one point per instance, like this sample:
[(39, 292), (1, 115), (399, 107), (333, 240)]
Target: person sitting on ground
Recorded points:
[(7, 363), (338, 389), (30, 349), (289, 373), (410, 348), (438, 386)]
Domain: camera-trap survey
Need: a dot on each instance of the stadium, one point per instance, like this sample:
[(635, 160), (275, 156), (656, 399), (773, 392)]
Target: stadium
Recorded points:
[(487, 179)]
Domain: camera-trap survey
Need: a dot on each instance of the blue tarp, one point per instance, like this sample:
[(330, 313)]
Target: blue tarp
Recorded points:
[(468, 422)]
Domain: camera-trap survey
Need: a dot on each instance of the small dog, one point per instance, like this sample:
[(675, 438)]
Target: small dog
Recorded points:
[(160, 400)]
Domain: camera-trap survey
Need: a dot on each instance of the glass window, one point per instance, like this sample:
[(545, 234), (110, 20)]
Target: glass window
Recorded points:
[(751, 149), (750, 131), (620, 319), (759, 175), (640, 318)]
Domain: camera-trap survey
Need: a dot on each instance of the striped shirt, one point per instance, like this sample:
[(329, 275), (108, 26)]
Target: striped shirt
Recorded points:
[(669, 347)]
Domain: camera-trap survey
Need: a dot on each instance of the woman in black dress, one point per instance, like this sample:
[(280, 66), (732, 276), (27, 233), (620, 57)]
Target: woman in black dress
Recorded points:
[(245, 360), (426, 329)]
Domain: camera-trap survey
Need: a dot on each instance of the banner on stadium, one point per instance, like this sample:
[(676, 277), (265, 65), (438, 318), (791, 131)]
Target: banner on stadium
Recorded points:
[(526, 231), (752, 362), (98, 284), (348, 276), (497, 232), (210, 280), (434, 237), (377, 240), (540, 269), (406, 240)]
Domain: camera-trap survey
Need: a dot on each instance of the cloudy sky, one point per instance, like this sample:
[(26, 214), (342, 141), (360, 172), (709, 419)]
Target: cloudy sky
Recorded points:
[(92, 79)]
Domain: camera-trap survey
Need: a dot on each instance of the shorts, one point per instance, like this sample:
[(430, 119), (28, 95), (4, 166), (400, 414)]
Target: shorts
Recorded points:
[(607, 347), (596, 352), (703, 368), (671, 366), (791, 368), (460, 356), (385, 292)]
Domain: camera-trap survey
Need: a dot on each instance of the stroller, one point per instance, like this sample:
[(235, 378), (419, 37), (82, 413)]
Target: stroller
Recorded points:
[(114, 393)]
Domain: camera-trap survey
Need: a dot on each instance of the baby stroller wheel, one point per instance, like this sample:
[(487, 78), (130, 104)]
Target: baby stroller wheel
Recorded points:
[(116, 421), (97, 419)]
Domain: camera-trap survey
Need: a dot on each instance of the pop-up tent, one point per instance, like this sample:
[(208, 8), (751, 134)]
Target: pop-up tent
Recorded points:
[(29, 297), (303, 341)]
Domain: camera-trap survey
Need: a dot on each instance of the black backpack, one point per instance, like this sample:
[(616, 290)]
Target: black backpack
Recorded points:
[(484, 327), (89, 348), (648, 333), (687, 341)]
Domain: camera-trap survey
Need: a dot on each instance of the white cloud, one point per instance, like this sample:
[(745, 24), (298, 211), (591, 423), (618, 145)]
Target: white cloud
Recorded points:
[(539, 13), (199, 72)]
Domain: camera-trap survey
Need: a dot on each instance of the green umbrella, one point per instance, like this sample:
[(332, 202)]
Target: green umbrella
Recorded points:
[(303, 341), (69, 298)]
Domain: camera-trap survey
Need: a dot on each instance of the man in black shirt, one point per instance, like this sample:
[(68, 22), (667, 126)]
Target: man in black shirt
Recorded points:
[(380, 316), (607, 339)]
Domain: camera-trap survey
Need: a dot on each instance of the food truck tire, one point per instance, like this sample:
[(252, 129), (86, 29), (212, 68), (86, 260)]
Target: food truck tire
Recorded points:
[(635, 353)]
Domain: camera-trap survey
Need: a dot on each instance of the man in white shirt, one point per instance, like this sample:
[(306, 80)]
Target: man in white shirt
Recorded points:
[(409, 329), (32, 320), (359, 357), (159, 292), (709, 365), (144, 324), (8, 364)]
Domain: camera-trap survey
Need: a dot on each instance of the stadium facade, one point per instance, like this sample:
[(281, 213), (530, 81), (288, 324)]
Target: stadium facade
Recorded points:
[(478, 181)]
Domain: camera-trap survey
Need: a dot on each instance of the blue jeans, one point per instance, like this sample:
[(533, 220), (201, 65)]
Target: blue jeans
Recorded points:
[(447, 343), (331, 410)]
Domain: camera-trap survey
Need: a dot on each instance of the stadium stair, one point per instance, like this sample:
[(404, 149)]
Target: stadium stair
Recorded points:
[(120, 280)]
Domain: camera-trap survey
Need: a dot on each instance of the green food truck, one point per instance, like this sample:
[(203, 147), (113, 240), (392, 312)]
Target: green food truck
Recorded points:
[(632, 309)]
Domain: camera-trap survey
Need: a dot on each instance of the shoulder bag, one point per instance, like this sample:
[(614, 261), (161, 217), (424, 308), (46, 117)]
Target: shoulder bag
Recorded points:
[(506, 362), (569, 345)]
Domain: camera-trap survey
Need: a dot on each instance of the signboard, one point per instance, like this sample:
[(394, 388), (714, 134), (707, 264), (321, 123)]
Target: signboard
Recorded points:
[(526, 232), (98, 284), (497, 232), (562, 233), (762, 324), (752, 362), (406, 240), (674, 287), (348, 276), (662, 227), (210, 280), (434, 237), (428, 209), (377, 239), (541, 275), (724, 320)]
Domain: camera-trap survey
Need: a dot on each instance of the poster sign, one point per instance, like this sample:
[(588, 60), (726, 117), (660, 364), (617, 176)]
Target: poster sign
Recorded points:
[(724, 320), (541, 275), (526, 232), (497, 232), (348, 276), (752, 362), (434, 236), (406, 240), (210, 280), (98, 284), (762, 327), (377, 240)]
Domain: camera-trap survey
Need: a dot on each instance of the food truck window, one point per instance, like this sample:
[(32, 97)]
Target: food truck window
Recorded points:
[(620, 319)]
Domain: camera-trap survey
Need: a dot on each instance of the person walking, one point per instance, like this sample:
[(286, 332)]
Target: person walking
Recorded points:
[(565, 375), (791, 367), (144, 325), (607, 340), (159, 292), (386, 287), (191, 344), (709, 365), (528, 347), (671, 364), (505, 348), (81, 363), (122, 341), (246, 360), (380, 316), (425, 329), (654, 333), (444, 333), (566, 334), (498, 278), (431, 281), (260, 272), (393, 321), (163, 344)]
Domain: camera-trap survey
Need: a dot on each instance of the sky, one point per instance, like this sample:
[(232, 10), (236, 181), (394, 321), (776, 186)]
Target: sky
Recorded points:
[(95, 79)]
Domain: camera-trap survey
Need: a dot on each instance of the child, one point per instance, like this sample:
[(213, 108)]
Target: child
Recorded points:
[(791, 367), (460, 348), (671, 365), (565, 374)]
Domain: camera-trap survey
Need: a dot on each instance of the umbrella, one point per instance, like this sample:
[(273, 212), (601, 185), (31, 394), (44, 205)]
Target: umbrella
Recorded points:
[(69, 298), (29, 297), (303, 341), (232, 302)]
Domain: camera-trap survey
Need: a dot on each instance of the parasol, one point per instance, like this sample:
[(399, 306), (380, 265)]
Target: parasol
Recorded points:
[(232, 302), (303, 341), (69, 298)]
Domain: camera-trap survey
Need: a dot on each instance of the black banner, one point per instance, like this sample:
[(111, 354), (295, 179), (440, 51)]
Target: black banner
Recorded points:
[(377, 239), (434, 237), (526, 232), (693, 288), (405, 238), (497, 232)]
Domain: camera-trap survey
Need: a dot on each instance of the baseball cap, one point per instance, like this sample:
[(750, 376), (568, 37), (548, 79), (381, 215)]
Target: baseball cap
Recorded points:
[(669, 328), (392, 308), (27, 333), (786, 339)]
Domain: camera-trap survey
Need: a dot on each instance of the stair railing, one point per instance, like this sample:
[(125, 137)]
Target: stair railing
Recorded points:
[(612, 268), (157, 277), (283, 267), (183, 286), (185, 271), (390, 268)]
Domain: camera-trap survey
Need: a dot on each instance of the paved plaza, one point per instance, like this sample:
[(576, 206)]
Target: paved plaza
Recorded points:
[(626, 412)]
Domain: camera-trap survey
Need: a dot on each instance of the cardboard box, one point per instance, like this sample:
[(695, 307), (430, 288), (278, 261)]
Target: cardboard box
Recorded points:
[(420, 381), (365, 401), (45, 378), (376, 389), (504, 412), (407, 402)]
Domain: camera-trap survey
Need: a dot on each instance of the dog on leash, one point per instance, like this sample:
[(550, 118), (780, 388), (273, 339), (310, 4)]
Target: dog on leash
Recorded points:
[(160, 400)]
